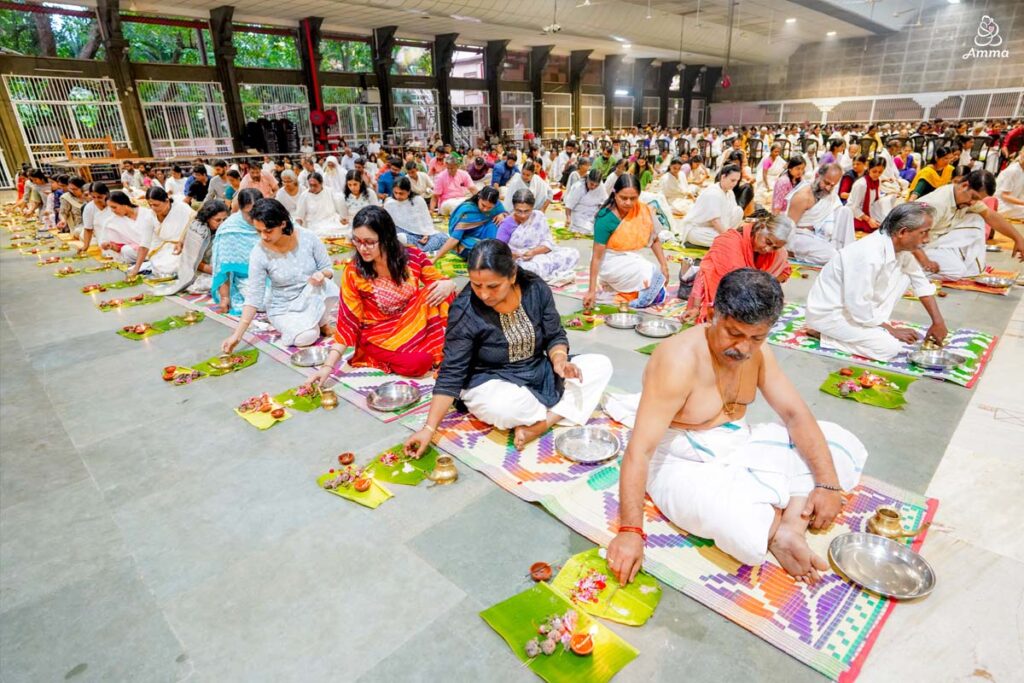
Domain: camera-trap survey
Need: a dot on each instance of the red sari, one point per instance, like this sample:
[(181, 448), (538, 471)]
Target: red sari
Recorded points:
[(390, 325), (732, 250)]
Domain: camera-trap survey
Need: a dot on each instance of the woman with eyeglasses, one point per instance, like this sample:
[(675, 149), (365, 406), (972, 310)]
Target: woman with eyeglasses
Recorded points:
[(302, 291), (394, 303), (760, 244)]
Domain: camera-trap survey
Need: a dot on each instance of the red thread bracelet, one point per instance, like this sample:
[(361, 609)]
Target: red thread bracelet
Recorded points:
[(635, 530)]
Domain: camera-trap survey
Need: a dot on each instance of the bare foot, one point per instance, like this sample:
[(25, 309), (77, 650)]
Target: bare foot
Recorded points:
[(223, 307), (527, 433), (813, 334), (791, 550)]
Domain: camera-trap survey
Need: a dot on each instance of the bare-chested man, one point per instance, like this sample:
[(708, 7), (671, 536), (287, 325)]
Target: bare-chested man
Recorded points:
[(824, 224), (752, 489)]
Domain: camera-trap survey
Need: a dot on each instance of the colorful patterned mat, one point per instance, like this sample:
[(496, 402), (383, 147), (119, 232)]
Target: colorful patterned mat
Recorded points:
[(671, 308), (790, 332), (830, 626)]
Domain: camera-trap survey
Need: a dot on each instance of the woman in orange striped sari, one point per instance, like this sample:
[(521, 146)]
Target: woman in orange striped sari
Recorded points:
[(394, 303)]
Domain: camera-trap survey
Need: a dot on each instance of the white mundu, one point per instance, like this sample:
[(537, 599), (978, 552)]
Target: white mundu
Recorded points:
[(822, 230), (713, 202), (727, 483), (957, 235), (506, 405), (856, 292)]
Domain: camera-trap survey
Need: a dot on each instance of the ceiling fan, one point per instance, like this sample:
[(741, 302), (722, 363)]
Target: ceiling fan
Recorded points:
[(553, 27)]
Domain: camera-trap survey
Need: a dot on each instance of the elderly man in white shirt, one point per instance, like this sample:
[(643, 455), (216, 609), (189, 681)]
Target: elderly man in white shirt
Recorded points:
[(957, 248), (851, 300), (715, 210)]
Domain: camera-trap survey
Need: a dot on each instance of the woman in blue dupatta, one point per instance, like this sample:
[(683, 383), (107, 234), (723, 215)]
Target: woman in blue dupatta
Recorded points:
[(474, 220), (232, 246)]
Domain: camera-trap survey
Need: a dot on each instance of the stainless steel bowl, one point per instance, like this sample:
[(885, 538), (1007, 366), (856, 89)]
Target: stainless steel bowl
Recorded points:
[(882, 565), (936, 359), (588, 445), (992, 248), (659, 327), (622, 321), (393, 396), (994, 281), (310, 356)]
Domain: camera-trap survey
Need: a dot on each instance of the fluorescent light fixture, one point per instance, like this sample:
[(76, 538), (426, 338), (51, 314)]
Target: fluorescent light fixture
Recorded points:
[(830, 34), (626, 45), (621, 40), (621, 93), (953, 2), (791, 20), (462, 17)]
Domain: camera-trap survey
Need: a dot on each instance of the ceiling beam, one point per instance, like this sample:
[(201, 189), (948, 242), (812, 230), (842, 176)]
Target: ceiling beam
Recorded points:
[(845, 16)]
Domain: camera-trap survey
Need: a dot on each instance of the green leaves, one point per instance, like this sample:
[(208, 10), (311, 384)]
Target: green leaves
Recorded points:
[(881, 395), (632, 605)]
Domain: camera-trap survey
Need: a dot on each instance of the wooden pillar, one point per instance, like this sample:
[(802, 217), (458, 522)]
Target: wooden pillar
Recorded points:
[(382, 44), (668, 71), (15, 150), (577, 64), (612, 64), (444, 51), (494, 64), (539, 56), (640, 67), (222, 33), (109, 17), (690, 74)]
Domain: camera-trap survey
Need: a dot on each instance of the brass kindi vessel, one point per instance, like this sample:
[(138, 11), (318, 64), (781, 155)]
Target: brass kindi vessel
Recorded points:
[(444, 471)]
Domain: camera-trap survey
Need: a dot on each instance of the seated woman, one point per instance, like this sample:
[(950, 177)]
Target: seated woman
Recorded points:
[(934, 175), (289, 192), (771, 169), (302, 290), (528, 179), (232, 246), (643, 171), (172, 220), (195, 252), (357, 195), (319, 209), (794, 174), (583, 201), (623, 228), (128, 232), (760, 244), (715, 210), (528, 235), (699, 175), (473, 220), (506, 356), (394, 303), (411, 215), (866, 201), (621, 168)]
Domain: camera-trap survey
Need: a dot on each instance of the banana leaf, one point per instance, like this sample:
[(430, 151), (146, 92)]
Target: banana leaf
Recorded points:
[(371, 498), (563, 233), (306, 404), (251, 356), (517, 619), (176, 322), (451, 265), (584, 326), (261, 420), (649, 349), (125, 303), (406, 471), (64, 275), (632, 605), (125, 284), (150, 331), (882, 396)]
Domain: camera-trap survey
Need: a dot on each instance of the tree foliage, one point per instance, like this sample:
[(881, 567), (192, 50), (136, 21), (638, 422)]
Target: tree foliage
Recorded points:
[(263, 50), (166, 44), (411, 60), (50, 35), (349, 56)]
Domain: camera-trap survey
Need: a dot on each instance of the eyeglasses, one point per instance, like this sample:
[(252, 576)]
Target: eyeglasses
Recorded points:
[(364, 244)]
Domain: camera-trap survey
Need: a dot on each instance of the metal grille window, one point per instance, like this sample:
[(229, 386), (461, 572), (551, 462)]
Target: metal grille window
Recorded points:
[(516, 114), (592, 112), (652, 109), (50, 108), (358, 119), (557, 119), (622, 111), (6, 179), (415, 112), (474, 101), (675, 112), (278, 102), (185, 119)]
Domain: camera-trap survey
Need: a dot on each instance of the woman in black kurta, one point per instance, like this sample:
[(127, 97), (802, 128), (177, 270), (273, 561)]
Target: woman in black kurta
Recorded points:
[(506, 356)]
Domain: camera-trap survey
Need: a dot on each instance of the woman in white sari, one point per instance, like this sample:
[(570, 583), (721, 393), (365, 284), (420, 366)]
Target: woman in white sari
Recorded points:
[(583, 201), (319, 209), (172, 219), (771, 168), (715, 210), (333, 175), (289, 192)]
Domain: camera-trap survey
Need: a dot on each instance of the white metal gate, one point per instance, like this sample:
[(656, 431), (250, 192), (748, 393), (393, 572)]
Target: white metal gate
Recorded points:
[(357, 120), (556, 118), (185, 119), (50, 108), (278, 102), (477, 102), (6, 179), (416, 112)]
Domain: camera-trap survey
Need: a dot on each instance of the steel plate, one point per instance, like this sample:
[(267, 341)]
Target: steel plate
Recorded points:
[(994, 281), (882, 565), (308, 357), (936, 359), (658, 327), (622, 321), (588, 445), (393, 396)]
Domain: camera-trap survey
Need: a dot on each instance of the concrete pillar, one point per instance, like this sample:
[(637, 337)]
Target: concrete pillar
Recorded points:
[(444, 51), (539, 56), (222, 33), (577, 64), (109, 18)]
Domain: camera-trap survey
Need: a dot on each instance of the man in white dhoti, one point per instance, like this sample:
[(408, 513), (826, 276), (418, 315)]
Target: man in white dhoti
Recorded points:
[(851, 300), (1010, 189), (957, 248), (824, 224), (715, 210), (319, 209), (753, 489), (676, 188)]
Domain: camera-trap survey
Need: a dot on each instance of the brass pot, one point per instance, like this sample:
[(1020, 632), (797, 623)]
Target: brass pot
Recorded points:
[(886, 522), (223, 362), (328, 399), (190, 317), (444, 471)]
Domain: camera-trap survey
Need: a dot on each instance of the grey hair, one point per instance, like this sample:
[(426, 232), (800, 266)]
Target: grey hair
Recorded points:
[(825, 168), (750, 296), (523, 196), (781, 227), (288, 174), (908, 216)]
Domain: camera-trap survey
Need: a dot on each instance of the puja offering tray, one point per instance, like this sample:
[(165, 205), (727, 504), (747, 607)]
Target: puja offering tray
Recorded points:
[(588, 445), (658, 327), (882, 565)]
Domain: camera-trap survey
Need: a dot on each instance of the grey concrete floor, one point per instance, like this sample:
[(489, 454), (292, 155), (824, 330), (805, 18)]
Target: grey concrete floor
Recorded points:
[(147, 534)]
